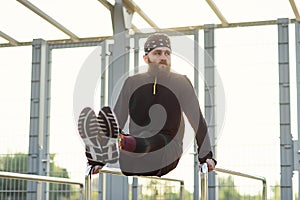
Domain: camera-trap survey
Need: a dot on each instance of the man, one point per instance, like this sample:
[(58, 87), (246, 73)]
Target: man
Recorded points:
[(155, 102)]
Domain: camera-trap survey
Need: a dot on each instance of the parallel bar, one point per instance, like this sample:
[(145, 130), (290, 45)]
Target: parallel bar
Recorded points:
[(181, 182), (217, 12), (47, 179), (227, 171), (260, 178), (295, 10), (204, 178), (49, 19), (150, 177), (31, 177), (9, 39)]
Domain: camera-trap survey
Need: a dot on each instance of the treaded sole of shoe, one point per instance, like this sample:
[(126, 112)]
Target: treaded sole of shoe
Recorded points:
[(109, 135), (108, 122), (89, 129)]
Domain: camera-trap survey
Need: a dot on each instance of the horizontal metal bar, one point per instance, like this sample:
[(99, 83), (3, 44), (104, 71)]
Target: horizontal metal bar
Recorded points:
[(230, 25), (260, 178), (241, 174), (149, 177), (183, 30), (32, 177), (88, 181), (62, 42), (204, 178)]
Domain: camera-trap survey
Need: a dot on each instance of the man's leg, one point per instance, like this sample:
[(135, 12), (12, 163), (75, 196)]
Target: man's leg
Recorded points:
[(144, 145), (110, 134)]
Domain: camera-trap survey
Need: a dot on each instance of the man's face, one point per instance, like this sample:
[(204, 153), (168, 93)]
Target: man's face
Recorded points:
[(160, 57)]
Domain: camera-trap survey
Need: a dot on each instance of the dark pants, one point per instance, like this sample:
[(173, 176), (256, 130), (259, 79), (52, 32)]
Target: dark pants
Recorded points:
[(129, 163)]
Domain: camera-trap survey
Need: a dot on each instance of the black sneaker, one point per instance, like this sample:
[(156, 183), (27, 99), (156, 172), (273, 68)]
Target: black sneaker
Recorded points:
[(89, 129), (108, 135)]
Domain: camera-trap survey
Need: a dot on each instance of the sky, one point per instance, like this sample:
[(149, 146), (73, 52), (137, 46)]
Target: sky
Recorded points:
[(245, 59)]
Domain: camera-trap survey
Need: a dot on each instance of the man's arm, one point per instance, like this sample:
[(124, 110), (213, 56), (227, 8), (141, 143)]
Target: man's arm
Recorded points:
[(191, 108)]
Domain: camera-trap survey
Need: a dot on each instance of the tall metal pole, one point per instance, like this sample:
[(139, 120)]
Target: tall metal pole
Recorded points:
[(297, 32), (134, 194), (286, 144), (38, 156), (196, 86), (210, 105), (118, 67), (102, 103), (204, 182)]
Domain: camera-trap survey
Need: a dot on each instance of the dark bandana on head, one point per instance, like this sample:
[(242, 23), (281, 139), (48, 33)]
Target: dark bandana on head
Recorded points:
[(156, 40)]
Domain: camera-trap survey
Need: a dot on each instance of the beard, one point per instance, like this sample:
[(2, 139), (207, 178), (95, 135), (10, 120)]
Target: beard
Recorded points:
[(161, 66)]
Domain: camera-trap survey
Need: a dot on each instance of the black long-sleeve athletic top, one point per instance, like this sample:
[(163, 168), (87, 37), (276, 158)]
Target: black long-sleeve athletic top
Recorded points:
[(155, 102)]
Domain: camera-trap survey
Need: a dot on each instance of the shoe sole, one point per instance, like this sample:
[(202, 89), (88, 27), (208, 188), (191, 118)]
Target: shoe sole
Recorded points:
[(89, 129), (108, 122), (108, 135)]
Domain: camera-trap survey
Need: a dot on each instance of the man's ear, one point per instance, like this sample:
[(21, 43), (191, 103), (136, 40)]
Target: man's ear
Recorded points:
[(146, 59)]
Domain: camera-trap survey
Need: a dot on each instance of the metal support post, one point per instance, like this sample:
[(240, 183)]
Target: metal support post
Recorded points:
[(102, 103), (38, 156), (119, 59), (118, 67), (196, 86), (136, 53), (210, 105), (103, 73), (204, 182), (136, 70), (286, 144), (297, 40), (134, 188), (88, 184)]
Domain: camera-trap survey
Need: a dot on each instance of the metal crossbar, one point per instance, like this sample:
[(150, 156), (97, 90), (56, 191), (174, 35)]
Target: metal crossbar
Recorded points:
[(204, 180), (87, 192), (31, 177), (260, 178), (88, 181)]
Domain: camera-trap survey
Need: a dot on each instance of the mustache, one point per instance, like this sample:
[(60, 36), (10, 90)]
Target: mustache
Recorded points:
[(163, 62)]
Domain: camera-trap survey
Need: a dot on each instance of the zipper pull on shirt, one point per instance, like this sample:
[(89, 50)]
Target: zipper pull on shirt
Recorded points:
[(154, 85)]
